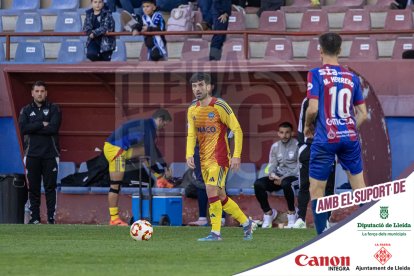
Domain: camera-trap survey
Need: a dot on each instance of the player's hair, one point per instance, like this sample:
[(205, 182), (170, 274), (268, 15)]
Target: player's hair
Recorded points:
[(330, 43), (163, 114), (200, 76), (286, 125), (39, 83)]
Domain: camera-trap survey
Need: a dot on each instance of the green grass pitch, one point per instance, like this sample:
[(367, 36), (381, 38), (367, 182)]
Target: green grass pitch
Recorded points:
[(103, 250)]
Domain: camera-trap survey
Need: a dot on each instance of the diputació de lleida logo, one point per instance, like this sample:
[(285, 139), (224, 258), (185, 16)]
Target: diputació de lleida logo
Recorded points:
[(384, 212)]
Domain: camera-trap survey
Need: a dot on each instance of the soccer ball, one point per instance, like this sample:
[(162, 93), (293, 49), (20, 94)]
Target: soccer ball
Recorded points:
[(141, 230)]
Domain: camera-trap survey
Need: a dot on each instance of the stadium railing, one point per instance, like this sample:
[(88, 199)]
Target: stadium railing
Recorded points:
[(244, 33)]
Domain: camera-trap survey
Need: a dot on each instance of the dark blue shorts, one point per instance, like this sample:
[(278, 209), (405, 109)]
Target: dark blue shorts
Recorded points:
[(323, 156)]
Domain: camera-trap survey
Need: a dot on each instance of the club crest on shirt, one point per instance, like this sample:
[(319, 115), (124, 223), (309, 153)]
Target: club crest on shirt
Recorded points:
[(211, 115), (45, 111)]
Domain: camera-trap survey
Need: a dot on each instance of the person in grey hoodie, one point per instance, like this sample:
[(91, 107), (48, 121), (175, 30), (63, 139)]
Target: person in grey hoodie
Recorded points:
[(283, 169)]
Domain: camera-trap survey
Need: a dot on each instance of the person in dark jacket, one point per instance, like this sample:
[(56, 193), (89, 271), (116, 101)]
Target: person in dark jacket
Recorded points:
[(131, 140), (39, 122), (221, 11), (98, 22)]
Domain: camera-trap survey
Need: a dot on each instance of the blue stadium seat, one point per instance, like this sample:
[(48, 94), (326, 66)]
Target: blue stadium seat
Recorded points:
[(68, 22), (83, 167), (30, 52), (242, 179), (64, 5), (29, 22), (178, 168), (26, 4), (65, 169), (71, 51), (120, 51)]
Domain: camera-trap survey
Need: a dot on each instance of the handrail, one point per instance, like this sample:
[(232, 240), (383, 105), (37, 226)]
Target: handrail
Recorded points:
[(244, 33)]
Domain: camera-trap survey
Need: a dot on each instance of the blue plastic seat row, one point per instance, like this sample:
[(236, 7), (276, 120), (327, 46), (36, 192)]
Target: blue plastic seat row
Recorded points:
[(34, 5), (71, 51)]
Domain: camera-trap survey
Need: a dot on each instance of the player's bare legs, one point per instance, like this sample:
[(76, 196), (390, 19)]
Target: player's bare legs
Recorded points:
[(357, 181), (115, 187)]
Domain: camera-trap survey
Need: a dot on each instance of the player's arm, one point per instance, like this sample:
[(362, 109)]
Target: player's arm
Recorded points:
[(26, 127), (273, 162), (312, 110), (362, 114), (229, 119), (52, 127), (311, 114), (359, 104), (191, 140)]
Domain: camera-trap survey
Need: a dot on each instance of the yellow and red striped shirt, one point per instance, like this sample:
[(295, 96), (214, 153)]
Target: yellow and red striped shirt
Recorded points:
[(208, 125)]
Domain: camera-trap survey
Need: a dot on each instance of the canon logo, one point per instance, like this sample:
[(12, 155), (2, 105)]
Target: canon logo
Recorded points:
[(304, 260)]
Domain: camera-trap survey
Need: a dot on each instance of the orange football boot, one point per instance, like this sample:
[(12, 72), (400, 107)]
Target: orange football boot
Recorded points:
[(118, 222)]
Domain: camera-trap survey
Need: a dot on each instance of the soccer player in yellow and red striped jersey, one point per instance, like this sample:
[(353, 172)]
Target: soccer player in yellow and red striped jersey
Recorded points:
[(208, 120)]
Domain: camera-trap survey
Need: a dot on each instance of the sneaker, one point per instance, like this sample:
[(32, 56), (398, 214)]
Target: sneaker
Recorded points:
[(211, 237), (118, 222), (51, 221), (199, 222), (128, 21), (299, 224), (268, 219), (248, 231), (34, 221), (291, 220)]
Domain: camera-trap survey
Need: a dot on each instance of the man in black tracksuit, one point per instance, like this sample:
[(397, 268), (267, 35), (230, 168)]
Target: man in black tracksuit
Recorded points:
[(39, 122)]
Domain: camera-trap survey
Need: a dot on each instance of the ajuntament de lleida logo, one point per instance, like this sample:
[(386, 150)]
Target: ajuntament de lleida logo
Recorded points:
[(384, 212)]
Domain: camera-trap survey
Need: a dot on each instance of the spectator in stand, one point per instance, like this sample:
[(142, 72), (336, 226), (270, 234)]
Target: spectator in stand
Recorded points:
[(221, 11), (216, 15), (39, 122), (98, 22), (205, 7), (283, 170), (153, 22)]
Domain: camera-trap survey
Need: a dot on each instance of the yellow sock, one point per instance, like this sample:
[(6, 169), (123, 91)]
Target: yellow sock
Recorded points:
[(231, 208), (113, 211), (215, 210)]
